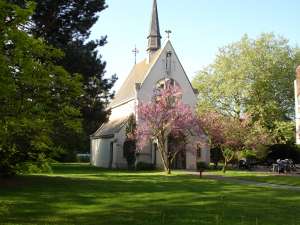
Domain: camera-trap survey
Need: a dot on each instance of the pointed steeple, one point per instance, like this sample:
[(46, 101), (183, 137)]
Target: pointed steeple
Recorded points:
[(154, 38)]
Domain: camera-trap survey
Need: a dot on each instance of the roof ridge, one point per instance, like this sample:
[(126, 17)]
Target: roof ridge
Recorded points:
[(138, 74)]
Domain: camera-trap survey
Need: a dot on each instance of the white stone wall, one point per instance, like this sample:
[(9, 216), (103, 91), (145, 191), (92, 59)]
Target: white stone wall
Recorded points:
[(158, 72), (145, 155), (100, 152), (120, 162), (205, 154), (159, 162), (191, 159)]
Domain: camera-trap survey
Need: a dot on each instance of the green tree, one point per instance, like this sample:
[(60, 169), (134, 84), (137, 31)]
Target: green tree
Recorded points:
[(36, 95), (66, 25), (253, 77), (232, 135)]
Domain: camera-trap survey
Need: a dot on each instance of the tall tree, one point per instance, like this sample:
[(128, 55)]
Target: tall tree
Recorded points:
[(66, 25), (36, 95), (251, 76)]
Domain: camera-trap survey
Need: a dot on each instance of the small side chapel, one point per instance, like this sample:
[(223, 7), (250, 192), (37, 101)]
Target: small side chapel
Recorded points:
[(161, 65)]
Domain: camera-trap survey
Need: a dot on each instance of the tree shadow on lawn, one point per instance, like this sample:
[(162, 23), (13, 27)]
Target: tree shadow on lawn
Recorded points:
[(86, 168), (142, 199), (76, 168)]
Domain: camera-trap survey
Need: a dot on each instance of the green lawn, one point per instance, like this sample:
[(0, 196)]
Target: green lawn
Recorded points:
[(283, 179), (80, 194)]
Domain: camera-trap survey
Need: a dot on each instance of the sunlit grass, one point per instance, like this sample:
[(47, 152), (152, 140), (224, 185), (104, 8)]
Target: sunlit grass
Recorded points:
[(268, 177), (80, 194)]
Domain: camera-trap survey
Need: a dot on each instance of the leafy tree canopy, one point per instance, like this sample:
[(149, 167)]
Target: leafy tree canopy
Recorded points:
[(67, 25), (36, 95), (253, 77)]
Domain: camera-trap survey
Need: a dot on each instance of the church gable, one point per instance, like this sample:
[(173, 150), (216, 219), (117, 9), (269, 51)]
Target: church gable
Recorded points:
[(167, 65)]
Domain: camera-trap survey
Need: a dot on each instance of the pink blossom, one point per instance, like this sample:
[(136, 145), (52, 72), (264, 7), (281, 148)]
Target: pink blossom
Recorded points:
[(167, 115)]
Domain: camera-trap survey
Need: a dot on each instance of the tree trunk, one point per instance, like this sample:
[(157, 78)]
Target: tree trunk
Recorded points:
[(225, 166), (169, 170), (169, 164), (166, 158), (161, 148)]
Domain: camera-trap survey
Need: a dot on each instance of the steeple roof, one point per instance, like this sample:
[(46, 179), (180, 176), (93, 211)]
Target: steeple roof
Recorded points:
[(154, 38)]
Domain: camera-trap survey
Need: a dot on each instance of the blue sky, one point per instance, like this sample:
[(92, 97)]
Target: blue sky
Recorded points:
[(200, 28)]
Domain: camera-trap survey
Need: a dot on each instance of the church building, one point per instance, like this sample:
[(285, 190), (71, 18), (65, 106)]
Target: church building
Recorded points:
[(162, 64)]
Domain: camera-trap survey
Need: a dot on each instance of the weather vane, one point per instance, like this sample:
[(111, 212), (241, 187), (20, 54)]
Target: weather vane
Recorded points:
[(135, 51), (168, 32)]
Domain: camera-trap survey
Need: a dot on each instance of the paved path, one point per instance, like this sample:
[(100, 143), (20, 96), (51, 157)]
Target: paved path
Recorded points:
[(248, 182)]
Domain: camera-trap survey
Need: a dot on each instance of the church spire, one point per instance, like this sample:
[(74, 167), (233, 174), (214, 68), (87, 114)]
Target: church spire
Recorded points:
[(154, 38)]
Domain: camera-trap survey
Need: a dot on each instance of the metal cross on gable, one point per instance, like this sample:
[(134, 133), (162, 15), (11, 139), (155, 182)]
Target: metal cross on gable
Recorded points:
[(135, 51), (168, 32)]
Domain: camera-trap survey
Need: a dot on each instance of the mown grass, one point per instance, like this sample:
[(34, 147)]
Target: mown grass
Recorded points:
[(81, 194), (267, 177)]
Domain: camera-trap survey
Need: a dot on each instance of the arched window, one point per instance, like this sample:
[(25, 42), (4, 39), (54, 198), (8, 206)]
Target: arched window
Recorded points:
[(161, 84), (167, 83)]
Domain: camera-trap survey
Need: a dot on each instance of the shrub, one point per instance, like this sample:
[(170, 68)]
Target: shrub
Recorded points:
[(248, 154), (284, 151), (144, 166), (216, 156), (129, 148), (67, 157), (262, 152), (83, 158), (201, 166), (34, 167)]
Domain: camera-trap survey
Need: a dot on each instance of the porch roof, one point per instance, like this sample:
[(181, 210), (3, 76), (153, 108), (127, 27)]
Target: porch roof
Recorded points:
[(110, 128)]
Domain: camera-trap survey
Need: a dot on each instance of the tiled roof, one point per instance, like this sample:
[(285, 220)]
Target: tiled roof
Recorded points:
[(110, 128), (137, 75)]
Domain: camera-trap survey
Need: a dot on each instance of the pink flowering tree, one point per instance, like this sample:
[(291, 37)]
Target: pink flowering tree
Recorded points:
[(166, 115), (232, 135)]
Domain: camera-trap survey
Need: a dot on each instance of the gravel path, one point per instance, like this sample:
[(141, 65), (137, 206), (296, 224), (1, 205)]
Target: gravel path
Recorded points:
[(247, 182)]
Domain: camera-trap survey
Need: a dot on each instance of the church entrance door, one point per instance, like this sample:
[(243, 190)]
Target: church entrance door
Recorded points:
[(174, 145), (179, 161)]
